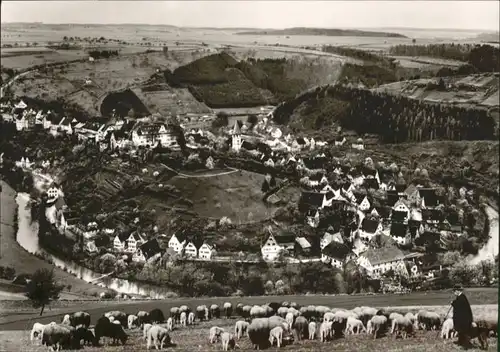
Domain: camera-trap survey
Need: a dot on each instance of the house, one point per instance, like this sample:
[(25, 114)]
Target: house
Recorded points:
[(330, 236), (429, 238), (177, 242), (358, 144), (134, 241), (429, 198), (369, 228), (150, 249), (47, 120), (378, 261), (371, 183), (22, 123), (432, 216), (311, 200), (65, 125), (192, 247), (275, 244), (236, 137), (52, 193), (363, 203), (120, 241), (206, 251), (402, 206), (335, 254), (339, 141), (304, 244), (150, 134), (90, 247), (399, 233), (312, 218)]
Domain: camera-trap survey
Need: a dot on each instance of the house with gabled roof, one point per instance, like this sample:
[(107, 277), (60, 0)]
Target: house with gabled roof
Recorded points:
[(358, 144), (147, 251), (153, 133), (340, 140), (120, 241), (363, 203), (335, 254), (369, 228), (329, 236), (378, 261), (312, 217), (311, 200), (192, 247), (65, 125), (177, 242), (206, 251), (275, 244), (429, 198), (401, 210), (90, 247), (432, 216)]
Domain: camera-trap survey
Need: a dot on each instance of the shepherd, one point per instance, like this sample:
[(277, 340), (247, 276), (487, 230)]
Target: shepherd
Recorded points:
[(462, 317)]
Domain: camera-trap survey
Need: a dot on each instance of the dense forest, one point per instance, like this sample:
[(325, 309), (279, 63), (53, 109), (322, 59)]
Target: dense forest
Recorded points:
[(395, 119), (485, 58)]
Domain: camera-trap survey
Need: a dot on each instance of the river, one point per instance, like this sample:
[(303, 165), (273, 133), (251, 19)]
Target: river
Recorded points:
[(28, 239), (490, 249)]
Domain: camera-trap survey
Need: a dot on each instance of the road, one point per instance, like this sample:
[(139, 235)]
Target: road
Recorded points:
[(476, 296)]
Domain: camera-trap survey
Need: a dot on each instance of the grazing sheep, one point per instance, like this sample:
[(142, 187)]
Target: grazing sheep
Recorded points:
[(258, 332), (241, 328), (379, 325), (392, 317), (145, 330), (312, 330), (328, 316), (282, 311), (215, 333), (258, 312), (428, 320), (301, 326), (37, 330), (175, 314), (88, 337), (402, 325), (276, 334), (326, 331), (245, 310), (142, 318), (158, 334), (105, 328), (227, 340), (289, 318), (190, 320), (413, 318), (117, 315), (183, 319), (132, 321), (59, 336), (447, 330), (215, 311), (156, 316), (170, 324), (354, 324), (369, 327), (228, 309), (65, 320)]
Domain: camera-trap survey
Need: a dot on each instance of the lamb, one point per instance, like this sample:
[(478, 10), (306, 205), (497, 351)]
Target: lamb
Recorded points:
[(402, 325), (183, 319), (145, 330), (447, 330), (37, 330), (312, 330), (325, 331), (276, 334), (352, 324), (378, 325), (158, 334), (227, 339), (241, 328), (190, 319), (170, 324), (215, 333)]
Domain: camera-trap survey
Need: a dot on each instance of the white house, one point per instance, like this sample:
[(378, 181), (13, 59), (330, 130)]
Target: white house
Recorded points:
[(191, 250), (380, 260), (313, 219), (177, 243), (147, 251), (358, 144), (402, 206), (236, 140), (369, 228), (206, 251), (90, 247), (335, 254), (153, 133), (119, 242), (340, 140), (274, 245), (399, 233), (363, 203)]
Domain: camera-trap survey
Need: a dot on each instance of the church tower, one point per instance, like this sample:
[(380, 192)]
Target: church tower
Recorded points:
[(236, 137)]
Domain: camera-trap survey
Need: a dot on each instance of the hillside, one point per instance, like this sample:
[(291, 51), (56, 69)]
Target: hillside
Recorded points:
[(333, 32), (220, 81)]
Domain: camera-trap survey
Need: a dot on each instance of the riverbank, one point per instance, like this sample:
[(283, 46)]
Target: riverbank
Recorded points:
[(12, 254)]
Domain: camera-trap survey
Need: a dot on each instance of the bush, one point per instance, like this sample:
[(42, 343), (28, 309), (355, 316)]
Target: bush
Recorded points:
[(7, 273)]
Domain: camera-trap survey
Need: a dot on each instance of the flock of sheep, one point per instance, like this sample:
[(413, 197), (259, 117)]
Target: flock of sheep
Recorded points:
[(267, 325)]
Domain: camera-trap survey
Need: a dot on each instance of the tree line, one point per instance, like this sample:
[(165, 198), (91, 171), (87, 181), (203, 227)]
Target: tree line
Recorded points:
[(102, 54), (396, 118), (485, 58)]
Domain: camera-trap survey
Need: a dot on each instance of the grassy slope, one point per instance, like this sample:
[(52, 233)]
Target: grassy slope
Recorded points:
[(322, 31)]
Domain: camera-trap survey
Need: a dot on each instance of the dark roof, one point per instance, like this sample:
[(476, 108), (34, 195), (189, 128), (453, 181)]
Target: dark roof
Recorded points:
[(198, 242), (247, 145), (311, 199), (336, 250), (66, 121), (430, 196), (371, 183), (360, 198), (339, 138), (180, 236), (369, 225), (366, 171), (123, 236), (301, 140), (56, 120), (150, 128), (400, 188), (346, 186), (432, 214), (316, 177), (383, 255), (398, 229), (384, 211), (398, 215), (392, 197), (284, 239), (150, 248)]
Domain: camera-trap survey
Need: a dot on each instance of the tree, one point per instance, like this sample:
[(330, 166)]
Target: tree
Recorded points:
[(42, 289)]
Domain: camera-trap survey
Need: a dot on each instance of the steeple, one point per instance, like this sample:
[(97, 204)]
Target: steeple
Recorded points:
[(236, 128)]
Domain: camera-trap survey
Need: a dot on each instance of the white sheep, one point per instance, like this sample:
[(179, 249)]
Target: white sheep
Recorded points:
[(241, 328), (447, 330), (325, 331), (183, 319), (312, 330), (276, 334), (158, 334), (215, 333), (353, 323), (227, 339)]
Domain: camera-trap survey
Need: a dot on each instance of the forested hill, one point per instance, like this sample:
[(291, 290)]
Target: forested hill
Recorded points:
[(394, 118), (333, 32)]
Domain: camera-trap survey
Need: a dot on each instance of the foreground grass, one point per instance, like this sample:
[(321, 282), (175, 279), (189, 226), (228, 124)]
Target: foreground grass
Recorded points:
[(196, 339)]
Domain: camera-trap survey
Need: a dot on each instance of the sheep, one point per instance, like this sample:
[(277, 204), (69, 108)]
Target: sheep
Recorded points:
[(142, 318), (447, 330), (353, 323), (429, 320), (132, 321), (228, 309), (145, 330), (412, 317), (65, 320), (282, 312), (215, 333), (378, 325), (289, 318), (241, 328), (158, 334), (183, 319), (37, 330), (369, 327), (190, 319), (170, 324), (392, 317), (276, 334), (402, 325), (301, 326), (325, 331), (227, 339), (312, 330)]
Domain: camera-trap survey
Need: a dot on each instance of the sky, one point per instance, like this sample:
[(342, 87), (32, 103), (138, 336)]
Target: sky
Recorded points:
[(262, 14)]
